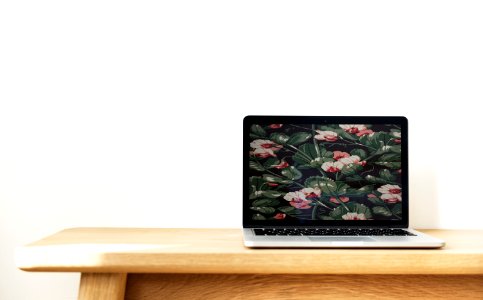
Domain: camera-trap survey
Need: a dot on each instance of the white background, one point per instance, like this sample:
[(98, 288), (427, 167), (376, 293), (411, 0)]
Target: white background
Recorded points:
[(129, 113)]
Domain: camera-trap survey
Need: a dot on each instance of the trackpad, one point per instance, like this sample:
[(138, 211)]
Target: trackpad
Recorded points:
[(342, 239)]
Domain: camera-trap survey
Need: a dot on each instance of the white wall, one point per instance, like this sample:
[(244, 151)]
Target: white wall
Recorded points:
[(128, 113)]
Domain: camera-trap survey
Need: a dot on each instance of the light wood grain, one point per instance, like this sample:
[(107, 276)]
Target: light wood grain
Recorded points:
[(222, 251), (280, 287), (102, 286)]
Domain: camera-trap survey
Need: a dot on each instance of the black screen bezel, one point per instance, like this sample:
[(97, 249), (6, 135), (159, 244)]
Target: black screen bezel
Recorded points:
[(399, 120)]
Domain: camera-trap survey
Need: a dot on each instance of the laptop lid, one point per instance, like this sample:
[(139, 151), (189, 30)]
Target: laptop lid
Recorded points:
[(325, 171)]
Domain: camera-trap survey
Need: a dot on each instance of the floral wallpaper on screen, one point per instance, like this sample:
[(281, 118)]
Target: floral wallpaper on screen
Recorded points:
[(325, 172)]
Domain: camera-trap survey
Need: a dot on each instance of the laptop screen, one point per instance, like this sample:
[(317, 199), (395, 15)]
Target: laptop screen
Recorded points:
[(336, 171)]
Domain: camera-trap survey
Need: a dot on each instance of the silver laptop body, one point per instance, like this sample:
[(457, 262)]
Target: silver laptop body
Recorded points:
[(323, 182)]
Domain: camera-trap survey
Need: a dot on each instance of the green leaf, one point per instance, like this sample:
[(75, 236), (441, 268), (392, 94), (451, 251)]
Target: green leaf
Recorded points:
[(271, 178), (326, 218), (274, 179), (396, 149), (376, 140), (397, 209), (310, 149), (375, 200), (375, 179), (390, 160), (258, 217), (354, 177), (366, 189), (257, 185), (257, 182), (258, 130), (271, 162), (359, 152), (313, 182), (299, 158), (266, 202), (255, 165), (272, 194), (380, 210), (390, 157), (328, 186), (383, 138), (292, 173), (386, 175), (347, 136), (361, 191), (334, 127), (390, 165), (264, 210), (307, 154), (370, 141), (351, 169), (289, 210), (279, 138), (362, 209), (299, 138), (341, 188), (302, 167), (286, 209), (338, 212)]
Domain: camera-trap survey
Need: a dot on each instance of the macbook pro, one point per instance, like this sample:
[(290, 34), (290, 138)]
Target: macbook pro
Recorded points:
[(313, 181)]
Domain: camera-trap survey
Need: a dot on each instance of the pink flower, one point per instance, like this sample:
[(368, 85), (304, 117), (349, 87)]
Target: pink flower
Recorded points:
[(311, 193), (390, 189), (391, 193), (264, 144), (328, 136), (364, 132), (280, 216), (301, 204), (303, 194), (353, 159), (263, 153), (264, 148), (332, 167), (398, 141), (282, 165), (272, 184), (339, 154), (371, 196), (391, 198), (292, 196), (353, 128), (341, 198), (298, 199), (275, 126), (354, 216)]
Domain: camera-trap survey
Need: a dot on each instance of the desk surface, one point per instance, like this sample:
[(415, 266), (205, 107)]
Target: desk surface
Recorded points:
[(148, 250)]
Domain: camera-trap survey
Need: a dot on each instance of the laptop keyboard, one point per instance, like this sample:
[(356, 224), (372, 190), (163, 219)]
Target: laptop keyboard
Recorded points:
[(334, 231)]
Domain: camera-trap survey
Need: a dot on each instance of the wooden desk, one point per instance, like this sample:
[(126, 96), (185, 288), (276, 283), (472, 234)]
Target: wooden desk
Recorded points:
[(213, 264)]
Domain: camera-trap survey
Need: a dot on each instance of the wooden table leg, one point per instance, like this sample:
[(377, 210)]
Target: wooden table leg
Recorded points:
[(102, 286)]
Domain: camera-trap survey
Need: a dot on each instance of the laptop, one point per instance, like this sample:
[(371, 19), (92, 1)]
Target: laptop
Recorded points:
[(313, 181)]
